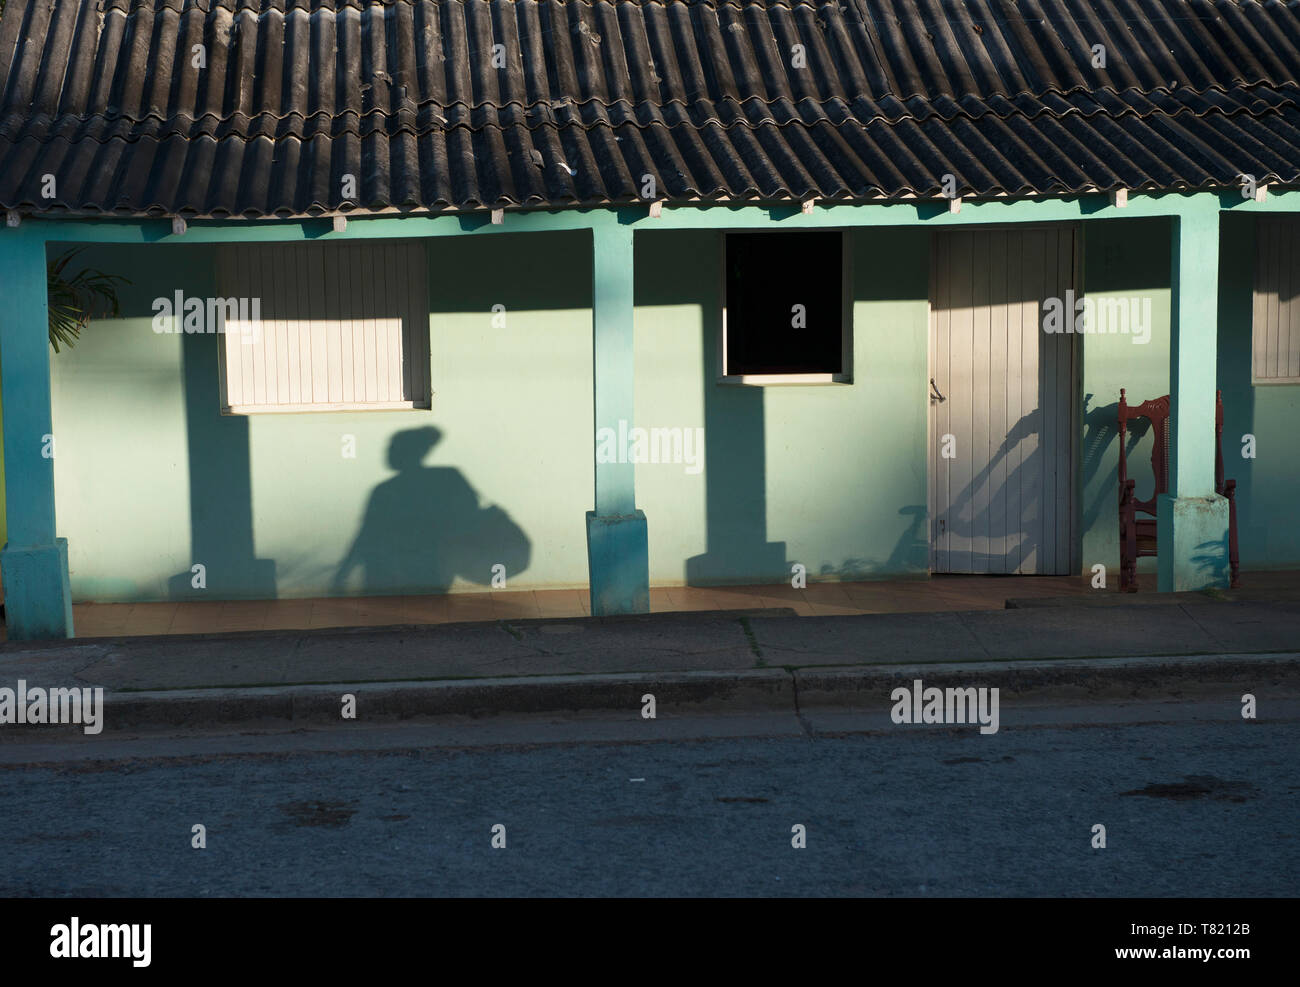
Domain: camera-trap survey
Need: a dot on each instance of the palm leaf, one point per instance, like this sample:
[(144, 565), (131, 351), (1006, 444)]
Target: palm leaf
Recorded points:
[(76, 299)]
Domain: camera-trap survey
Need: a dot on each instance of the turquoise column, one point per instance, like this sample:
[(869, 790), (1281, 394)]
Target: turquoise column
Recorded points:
[(618, 560), (1191, 520), (38, 602)]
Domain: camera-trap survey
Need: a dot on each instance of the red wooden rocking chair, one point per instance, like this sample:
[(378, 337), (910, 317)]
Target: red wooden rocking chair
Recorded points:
[(1137, 536)]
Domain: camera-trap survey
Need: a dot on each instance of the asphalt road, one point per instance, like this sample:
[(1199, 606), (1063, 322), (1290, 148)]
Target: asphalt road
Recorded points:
[(1198, 805)]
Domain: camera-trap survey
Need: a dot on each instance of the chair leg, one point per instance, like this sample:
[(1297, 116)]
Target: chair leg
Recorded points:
[(1123, 553), (1234, 563), (1128, 580)]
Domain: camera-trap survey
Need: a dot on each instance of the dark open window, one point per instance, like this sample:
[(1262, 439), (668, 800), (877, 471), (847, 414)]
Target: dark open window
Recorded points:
[(785, 304)]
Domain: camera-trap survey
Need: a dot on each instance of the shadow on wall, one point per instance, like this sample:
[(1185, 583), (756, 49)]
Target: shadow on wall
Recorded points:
[(1100, 429), (1211, 559), (219, 482), (1100, 432), (735, 457), (1122, 259), (448, 536), (1024, 479), (413, 521), (735, 454), (911, 552), (221, 488), (748, 462), (1267, 491)]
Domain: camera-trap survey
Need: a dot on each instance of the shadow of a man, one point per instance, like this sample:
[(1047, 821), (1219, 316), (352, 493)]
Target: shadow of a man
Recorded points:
[(424, 527)]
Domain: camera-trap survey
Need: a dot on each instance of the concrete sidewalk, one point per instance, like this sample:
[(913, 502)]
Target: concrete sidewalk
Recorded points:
[(725, 660)]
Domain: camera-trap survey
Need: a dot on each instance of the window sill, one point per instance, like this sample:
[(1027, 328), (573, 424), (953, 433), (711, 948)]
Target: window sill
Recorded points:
[(283, 409), (768, 380)]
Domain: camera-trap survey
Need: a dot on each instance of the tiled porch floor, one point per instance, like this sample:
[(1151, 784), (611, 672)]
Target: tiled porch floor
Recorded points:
[(819, 599)]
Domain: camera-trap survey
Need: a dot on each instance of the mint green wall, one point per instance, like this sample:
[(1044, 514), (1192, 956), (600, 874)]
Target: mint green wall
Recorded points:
[(121, 460), (1267, 484), (513, 405), (1132, 257), (150, 478), (1122, 259), (830, 476)]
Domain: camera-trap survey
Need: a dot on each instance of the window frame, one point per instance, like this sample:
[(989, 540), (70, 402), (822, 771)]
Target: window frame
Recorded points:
[(845, 375), (1257, 275), (422, 402)]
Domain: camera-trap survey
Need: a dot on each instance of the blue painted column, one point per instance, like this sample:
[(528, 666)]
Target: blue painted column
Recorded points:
[(1191, 520), (618, 559), (38, 602)]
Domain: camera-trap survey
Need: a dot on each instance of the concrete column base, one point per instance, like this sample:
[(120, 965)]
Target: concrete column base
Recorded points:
[(1192, 543), (38, 599), (618, 563)]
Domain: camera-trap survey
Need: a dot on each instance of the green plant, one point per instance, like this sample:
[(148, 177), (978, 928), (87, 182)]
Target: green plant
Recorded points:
[(77, 298)]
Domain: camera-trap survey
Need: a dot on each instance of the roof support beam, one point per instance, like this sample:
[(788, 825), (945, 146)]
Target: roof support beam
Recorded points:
[(1191, 516), (38, 601), (617, 544), (1193, 347)]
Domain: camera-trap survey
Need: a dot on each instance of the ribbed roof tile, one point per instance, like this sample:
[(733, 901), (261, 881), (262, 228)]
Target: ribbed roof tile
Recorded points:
[(466, 104)]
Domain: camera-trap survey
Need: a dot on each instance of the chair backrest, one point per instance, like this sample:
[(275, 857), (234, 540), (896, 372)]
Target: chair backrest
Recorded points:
[(1156, 411)]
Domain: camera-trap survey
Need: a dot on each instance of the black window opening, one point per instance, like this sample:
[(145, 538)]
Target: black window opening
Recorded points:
[(785, 304)]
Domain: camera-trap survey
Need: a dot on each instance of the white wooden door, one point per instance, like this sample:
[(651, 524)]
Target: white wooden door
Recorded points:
[(1001, 396)]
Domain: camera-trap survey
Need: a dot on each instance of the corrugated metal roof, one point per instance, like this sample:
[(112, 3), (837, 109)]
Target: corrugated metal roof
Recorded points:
[(438, 104)]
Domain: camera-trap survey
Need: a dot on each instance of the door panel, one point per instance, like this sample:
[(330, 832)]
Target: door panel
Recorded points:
[(1003, 501)]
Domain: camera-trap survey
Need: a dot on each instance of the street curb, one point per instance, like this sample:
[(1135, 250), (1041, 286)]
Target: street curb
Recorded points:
[(692, 692), (844, 688), (1058, 681)]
